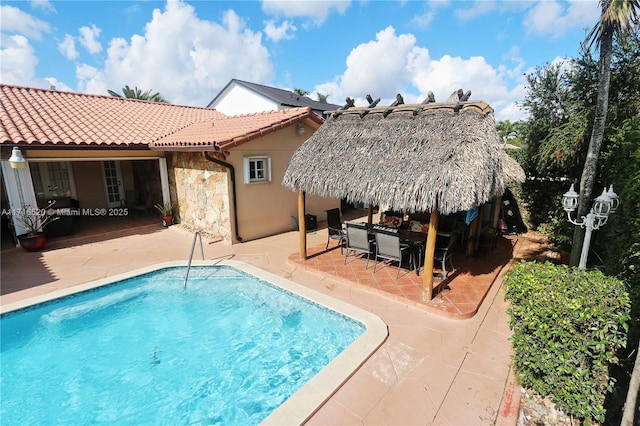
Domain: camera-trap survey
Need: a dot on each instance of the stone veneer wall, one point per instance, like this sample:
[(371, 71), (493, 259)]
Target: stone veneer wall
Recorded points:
[(199, 188)]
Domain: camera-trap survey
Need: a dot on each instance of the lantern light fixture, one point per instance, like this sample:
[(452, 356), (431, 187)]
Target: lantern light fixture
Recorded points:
[(16, 160), (605, 204)]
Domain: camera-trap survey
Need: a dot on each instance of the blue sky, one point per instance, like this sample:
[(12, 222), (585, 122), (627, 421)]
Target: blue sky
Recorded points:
[(189, 50)]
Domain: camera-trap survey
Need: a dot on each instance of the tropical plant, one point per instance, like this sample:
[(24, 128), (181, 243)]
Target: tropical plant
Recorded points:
[(322, 97), (164, 209), (33, 219), (300, 92), (568, 325), (136, 93), (561, 103), (617, 16)]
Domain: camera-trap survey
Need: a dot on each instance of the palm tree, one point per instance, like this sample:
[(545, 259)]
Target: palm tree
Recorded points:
[(321, 97), (617, 16), (300, 92), (506, 130), (136, 93)]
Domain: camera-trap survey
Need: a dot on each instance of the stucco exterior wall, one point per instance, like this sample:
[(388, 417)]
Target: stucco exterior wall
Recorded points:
[(200, 191), (269, 208), (203, 191)]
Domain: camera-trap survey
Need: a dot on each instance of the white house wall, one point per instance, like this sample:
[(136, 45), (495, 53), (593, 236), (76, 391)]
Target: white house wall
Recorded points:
[(240, 100)]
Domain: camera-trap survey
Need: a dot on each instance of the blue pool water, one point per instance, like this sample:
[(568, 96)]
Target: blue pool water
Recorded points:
[(227, 350)]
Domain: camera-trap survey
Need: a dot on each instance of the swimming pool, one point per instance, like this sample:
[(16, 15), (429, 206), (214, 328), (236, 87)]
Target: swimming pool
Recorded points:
[(94, 362)]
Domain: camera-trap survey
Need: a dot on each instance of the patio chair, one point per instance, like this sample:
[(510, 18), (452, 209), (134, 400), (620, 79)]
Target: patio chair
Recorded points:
[(444, 252), (334, 229), (389, 247), (358, 241)]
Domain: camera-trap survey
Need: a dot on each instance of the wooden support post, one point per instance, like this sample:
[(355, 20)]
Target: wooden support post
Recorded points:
[(370, 215), (474, 236), (302, 226), (495, 212), (427, 273)]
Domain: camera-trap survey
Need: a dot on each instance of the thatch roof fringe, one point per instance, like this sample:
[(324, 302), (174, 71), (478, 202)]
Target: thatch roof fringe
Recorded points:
[(437, 158), (513, 171)]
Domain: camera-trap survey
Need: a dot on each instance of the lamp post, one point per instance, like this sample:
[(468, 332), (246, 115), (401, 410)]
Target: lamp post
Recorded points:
[(604, 205), (17, 162)]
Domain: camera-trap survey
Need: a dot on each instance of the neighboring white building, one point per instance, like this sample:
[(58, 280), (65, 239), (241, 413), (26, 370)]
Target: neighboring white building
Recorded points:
[(243, 97)]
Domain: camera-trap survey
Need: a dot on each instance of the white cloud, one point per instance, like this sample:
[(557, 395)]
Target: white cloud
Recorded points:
[(44, 5), (17, 60), (15, 21), (54, 83), (68, 47), (185, 59), (550, 18), (479, 8), (284, 31), (393, 64), (431, 10), (87, 72), (18, 63), (316, 11), (378, 65), (88, 37), (512, 112)]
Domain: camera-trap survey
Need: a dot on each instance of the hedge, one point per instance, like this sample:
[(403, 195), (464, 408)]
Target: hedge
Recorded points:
[(568, 324)]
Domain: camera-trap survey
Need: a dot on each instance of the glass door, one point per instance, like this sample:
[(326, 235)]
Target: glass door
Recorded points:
[(52, 180), (113, 182)]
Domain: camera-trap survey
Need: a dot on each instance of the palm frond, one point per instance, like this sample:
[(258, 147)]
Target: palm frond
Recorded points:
[(617, 16)]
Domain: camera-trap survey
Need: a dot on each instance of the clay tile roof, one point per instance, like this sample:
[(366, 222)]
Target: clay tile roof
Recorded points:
[(231, 131), (39, 117)]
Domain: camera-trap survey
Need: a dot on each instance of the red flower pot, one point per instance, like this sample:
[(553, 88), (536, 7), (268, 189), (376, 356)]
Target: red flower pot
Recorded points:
[(32, 242)]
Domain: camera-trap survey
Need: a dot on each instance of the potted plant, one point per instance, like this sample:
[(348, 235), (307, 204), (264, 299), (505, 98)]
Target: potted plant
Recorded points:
[(33, 220), (166, 212)]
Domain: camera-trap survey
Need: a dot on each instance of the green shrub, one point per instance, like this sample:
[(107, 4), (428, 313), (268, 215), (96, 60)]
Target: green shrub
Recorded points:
[(568, 324)]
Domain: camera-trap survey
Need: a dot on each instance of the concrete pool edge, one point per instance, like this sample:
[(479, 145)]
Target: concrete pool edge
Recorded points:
[(298, 408)]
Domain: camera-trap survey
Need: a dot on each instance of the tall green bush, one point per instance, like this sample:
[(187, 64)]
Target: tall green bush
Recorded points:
[(568, 324)]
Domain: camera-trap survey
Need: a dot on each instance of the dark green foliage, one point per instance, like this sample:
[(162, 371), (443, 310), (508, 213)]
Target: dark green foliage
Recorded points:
[(136, 93), (619, 240), (561, 102), (568, 324)]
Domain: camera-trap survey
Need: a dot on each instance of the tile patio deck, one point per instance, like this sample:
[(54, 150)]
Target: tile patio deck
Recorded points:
[(458, 296), (432, 369)]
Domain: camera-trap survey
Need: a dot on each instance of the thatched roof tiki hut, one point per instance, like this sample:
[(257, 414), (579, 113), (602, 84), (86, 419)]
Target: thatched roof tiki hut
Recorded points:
[(432, 157)]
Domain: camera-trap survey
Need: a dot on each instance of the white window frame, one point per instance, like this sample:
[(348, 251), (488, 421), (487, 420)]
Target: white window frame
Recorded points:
[(246, 163)]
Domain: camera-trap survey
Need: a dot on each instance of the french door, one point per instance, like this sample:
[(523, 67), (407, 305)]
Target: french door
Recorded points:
[(113, 183), (52, 180)]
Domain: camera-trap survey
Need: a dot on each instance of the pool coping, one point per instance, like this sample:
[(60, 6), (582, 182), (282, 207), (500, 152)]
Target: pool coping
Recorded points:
[(298, 408)]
